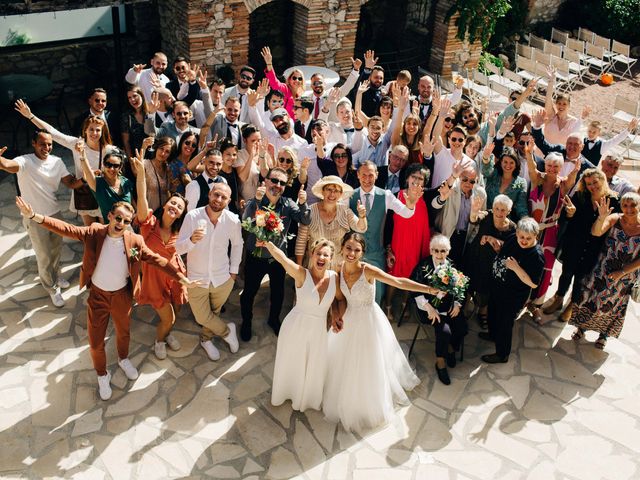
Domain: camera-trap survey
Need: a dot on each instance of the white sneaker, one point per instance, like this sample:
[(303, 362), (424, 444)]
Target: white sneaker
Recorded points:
[(232, 338), (127, 367), (160, 349), (63, 283), (173, 342), (104, 389), (56, 298), (210, 348)]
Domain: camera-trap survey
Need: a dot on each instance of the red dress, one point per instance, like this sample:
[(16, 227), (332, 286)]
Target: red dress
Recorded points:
[(158, 288), (411, 237)]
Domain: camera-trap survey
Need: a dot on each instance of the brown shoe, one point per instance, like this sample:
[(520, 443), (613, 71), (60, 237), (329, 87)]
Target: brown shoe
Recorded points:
[(554, 306), (565, 316)]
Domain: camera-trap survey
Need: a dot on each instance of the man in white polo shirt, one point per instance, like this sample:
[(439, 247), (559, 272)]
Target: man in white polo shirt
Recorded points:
[(205, 236), (39, 176)]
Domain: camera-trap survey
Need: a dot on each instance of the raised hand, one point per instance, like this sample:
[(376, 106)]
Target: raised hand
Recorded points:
[(304, 165), (476, 203), (146, 143), (266, 55), (362, 210), (538, 118), (153, 105), (488, 150), (427, 148), (154, 80), (357, 63), (193, 72), (457, 168), (137, 163), (531, 87), (80, 146), (569, 207), (404, 98), (253, 96), (507, 125), (202, 77), (604, 209), (138, 67), (633, 124), (436, 102), (370, 59), (260, 191), (459, 82), (551, 72), (445, 106), (302, 196), (263, 88), (363, 87), (333, 96), (586, 111), (25, 209), (444, 191), (23, 108)]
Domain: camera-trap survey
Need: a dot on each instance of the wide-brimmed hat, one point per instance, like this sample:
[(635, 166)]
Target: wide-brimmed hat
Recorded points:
[(347, 190)]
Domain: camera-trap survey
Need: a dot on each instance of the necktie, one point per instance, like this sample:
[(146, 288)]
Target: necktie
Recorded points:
[(316, 109), (367, 202), (299, 129), (393, 184), (240, 95)]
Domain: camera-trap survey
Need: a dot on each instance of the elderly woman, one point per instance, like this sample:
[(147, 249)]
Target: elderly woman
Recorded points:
[(516, 270), (503, 177), (493, 229), (450, 327), (292, 89), (547, 197), (330, 219), (605, 294), (579, 250)]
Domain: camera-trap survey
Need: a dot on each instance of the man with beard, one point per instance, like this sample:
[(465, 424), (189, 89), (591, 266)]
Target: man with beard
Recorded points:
[(240, 90), (211, 236), (282, 134), (372, 147), (97, 101), (318, 86), (197, 192), (375, 73), (111, 265), (228, 125), (425, 96), (184, 87), (303, 107), (162, 101), (175, 127), (269, 195), (149, 78)]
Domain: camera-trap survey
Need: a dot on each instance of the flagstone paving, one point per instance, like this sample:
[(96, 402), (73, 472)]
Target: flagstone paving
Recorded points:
[(557, 410)]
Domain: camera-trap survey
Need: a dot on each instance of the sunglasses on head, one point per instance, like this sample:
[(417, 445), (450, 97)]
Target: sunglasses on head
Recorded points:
[(456, 139), (341, 155), (112, 165), (246, 77), (466, 180), (277, 181), (299, 79), (285, 160), (120, 219)]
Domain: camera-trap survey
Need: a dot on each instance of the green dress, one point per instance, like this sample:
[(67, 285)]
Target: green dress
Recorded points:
[(106, 196)]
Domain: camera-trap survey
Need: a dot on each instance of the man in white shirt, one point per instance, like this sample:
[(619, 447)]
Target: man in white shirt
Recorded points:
[(197, 191), (39, 176), (283, 136), (205, 236), (343, 130), (149, 78), (425, 96), (446, 157)]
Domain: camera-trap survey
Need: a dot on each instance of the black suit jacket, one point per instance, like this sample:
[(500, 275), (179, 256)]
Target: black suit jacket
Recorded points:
[(192, 94), (383, 176), (307, 134)]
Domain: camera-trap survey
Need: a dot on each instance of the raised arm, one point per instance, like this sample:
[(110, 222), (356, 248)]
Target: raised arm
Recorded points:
[(403, 100), (298, 272), (534, 174), (445, 105), (10, 166), (59, 137), (374, 273), (606, 219), (548, 98), (87, 172), (137, 165), (363, 87)]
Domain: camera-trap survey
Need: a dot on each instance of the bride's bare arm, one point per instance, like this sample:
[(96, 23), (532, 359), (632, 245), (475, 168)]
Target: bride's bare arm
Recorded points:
[(298, 272), (338, 308), (374, 273)]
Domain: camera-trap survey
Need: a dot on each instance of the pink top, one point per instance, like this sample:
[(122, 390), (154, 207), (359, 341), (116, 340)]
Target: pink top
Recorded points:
[(281, 87), (554, 135)]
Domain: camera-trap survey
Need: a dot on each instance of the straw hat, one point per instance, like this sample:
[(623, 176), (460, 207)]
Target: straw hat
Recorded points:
[(347, 190)]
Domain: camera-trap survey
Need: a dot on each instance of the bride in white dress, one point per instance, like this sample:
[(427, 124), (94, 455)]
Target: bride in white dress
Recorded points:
[(370, 372), (301, 356)]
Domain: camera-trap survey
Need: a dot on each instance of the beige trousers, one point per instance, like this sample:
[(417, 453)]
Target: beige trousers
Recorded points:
[(206, 304)]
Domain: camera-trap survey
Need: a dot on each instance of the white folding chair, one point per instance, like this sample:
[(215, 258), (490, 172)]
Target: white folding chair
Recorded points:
[(512, 80), (605, 43), (563, 73), (578, 46), (559, 36), (596, 59), (499, 97), (575, 65), (536, 42), (621, 55), (553, 48), (625, 109), (542, 57), (585, 35), (524, 50), (525, 67)]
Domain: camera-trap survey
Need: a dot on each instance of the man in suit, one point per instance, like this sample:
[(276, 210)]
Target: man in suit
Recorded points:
[(444, 314), (391, 177), (240, 90), (197, 192), (175, 127), (377, 202), (304, 121), (97, 101), (228, 124), (184, 87), (111, 265)]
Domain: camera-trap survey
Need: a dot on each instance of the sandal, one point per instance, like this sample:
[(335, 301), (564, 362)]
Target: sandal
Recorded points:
[(578, 334), (601, 342)]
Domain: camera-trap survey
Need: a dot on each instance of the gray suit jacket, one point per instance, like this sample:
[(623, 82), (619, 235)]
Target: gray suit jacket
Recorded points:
[(219, 127)]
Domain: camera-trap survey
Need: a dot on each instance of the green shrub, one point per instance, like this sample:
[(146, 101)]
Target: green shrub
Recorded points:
[(477, 18), (485, 58)]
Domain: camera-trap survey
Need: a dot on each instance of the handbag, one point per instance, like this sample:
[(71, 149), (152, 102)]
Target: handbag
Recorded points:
[(83, 197)]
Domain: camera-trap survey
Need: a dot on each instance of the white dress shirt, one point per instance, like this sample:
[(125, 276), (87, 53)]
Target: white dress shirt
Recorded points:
[(143, 80), (192, 190), (444, 166), (208, 260), (391, 203)]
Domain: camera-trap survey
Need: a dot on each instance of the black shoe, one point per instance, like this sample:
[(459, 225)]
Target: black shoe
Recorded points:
[(485, 336), (275, 326), (245, 331), (494, 358), (223, 309), (451, 359), (443, 375)]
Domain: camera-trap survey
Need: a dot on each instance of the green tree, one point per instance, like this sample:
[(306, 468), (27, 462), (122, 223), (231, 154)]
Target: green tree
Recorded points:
[(477, 18)]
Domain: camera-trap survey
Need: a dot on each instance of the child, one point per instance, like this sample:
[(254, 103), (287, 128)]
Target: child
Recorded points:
[(595, 148)]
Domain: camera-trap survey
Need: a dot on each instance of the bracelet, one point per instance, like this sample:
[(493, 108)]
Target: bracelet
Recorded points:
[(32, 117), (31, 217)]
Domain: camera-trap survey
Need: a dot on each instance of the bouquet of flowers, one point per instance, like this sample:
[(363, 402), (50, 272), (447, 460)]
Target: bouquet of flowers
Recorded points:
[(449, 280), (267, 226)]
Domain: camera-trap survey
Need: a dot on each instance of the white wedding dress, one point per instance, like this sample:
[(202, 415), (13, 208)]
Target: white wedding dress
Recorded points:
[(369, 372), (301, 356)]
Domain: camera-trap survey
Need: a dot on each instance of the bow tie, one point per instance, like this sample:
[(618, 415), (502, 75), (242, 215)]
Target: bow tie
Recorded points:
[(210, 181), (234, 125), (349, 130)]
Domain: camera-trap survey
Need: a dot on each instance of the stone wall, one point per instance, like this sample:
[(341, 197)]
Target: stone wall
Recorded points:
[(543, 11)]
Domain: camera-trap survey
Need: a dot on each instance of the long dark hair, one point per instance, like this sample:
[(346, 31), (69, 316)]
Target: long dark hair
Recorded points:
[(355, 236), (349, 154), (175, 226), (511, 153), (184, 138)]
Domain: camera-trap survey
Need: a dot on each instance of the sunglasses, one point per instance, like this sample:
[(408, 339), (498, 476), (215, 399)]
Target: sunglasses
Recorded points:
[(456, 139), (180, 68), (112, 165), (438, 250), (522, 143), (448, 119), (246, 77), (120, 219), (299, 79), (277, 181), (466, 180), (190, 143), (277, 102), (181, 114), (317, 84), (284, 160), (341, 155), (470, 115), (297, 107)]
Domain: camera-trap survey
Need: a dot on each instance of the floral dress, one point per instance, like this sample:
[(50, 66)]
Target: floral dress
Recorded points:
[(603, 305)]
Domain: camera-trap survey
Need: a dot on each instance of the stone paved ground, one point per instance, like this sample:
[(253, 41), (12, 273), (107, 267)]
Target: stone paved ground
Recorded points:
[(557, 410)]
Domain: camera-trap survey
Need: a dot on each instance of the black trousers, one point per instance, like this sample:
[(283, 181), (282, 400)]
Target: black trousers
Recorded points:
[(449, 331), (502, 315), (572, 270), (458, 242), (254, 271)]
